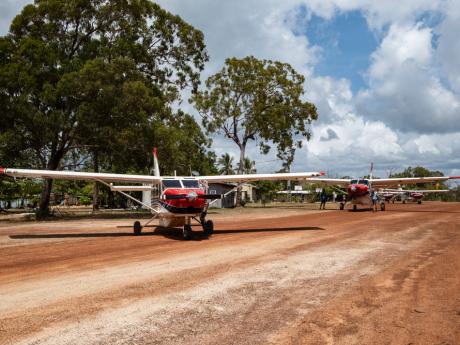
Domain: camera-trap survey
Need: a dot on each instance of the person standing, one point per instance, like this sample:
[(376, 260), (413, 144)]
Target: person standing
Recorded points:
[(375, 200), (323, 199)]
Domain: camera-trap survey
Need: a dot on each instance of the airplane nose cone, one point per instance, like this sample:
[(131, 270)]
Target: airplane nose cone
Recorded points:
[(192, 196)]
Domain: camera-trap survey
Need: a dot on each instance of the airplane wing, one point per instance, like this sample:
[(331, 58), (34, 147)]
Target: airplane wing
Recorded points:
[(423, 191), (384, 182), (258, 177), (330, 181), (73, 175)]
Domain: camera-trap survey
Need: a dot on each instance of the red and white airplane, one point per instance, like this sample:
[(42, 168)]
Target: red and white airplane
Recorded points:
[(359, 190), (181, 199)]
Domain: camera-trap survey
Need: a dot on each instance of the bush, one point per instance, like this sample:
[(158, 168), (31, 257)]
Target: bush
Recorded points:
[(85, 201)]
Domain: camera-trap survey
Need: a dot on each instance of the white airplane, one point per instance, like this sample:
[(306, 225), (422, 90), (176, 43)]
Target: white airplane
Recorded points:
[(181, 199)]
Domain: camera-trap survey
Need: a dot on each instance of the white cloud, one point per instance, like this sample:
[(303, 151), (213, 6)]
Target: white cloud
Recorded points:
[(406, 90), (448, 51)]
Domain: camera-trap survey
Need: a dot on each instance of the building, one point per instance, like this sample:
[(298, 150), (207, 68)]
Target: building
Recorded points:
[(248, 193)]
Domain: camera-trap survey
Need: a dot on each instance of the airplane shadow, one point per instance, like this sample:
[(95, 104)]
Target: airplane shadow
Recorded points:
[(422, 211), (174, 234)]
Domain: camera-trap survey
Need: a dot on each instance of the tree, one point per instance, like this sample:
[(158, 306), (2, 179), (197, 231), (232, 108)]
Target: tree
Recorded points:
[(249, 166), (419, 171), (51, 42), (257, 100), (226, 164)]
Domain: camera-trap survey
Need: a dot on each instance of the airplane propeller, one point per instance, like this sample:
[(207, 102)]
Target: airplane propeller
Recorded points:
[(189, 196)]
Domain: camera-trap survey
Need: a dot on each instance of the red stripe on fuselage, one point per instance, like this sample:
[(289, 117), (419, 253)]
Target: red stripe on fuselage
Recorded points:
[(356, 190), (185, 202)]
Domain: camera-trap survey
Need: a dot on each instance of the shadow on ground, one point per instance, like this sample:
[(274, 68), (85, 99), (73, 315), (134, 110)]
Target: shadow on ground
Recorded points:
[(175, 234)]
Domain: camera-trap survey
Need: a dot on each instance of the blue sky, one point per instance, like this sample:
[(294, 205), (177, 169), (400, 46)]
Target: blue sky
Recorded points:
[(346, 44)]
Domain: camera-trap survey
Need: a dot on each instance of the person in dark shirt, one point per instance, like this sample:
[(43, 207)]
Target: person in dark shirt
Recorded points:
[(323, 199)]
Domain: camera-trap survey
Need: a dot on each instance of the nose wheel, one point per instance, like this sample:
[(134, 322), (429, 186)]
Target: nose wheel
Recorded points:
[(187, 232), (137, 227), (208, 227)]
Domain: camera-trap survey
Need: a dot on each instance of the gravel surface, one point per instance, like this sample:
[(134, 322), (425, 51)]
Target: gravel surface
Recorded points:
[(279, 276)]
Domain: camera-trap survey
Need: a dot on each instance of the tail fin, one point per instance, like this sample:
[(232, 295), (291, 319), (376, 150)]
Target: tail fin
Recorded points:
[(156, 168), (371, 173)]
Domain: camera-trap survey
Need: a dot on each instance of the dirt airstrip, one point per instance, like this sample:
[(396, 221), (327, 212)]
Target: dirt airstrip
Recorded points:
[(267, 276)]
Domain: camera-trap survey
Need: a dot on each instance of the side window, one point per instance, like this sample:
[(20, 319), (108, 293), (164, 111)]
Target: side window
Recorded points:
[(212, 191), (172, 184), (190, 183)]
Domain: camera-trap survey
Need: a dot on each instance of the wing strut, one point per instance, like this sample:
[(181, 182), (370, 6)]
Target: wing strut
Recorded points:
[(132, 198)]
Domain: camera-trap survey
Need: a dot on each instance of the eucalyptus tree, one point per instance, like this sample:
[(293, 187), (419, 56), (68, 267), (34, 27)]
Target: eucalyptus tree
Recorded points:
[(257, 100), (49, 46)]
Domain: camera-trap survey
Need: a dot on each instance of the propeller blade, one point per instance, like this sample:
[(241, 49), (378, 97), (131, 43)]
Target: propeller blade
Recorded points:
[(210, 196), (174, 196)]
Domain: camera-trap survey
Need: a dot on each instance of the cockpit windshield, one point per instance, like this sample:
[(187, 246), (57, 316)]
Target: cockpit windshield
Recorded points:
[(366, 182), (171, 184), (190, 183)]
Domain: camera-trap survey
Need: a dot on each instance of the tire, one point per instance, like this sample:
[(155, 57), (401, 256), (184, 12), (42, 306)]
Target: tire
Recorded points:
[(419, 202), (208, 227), (137, 228), (187, 232), (355, 207), (342, 206), (382, 206), (404, 201)]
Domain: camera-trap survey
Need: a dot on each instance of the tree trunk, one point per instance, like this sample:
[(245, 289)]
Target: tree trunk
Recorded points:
[(53, 163), (45, 198), (240, 171), (96, 185)]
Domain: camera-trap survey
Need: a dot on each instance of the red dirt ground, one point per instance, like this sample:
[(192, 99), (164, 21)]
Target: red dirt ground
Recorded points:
[(280, 276)]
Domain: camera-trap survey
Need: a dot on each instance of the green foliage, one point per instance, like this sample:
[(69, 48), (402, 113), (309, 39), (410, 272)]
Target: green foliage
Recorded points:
[(423, 172), (225, 163), (97, 76), (85, 201), (417, 172), (266, 189), (249, 166), (258, 100)]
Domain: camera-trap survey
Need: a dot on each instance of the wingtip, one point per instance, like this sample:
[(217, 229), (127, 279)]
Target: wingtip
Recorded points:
[(322, 173), (454, 177), (2, 170)]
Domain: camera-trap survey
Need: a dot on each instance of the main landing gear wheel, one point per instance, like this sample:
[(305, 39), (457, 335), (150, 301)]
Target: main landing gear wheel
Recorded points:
[(419, 202), (382, 206), (342, 206), (137, 228), (208, 227), (355, 207), (187, 232)]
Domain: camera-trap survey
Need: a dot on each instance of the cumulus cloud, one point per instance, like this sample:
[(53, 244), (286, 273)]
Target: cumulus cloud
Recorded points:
[(449, 45), (405, 89), (330, 135)]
